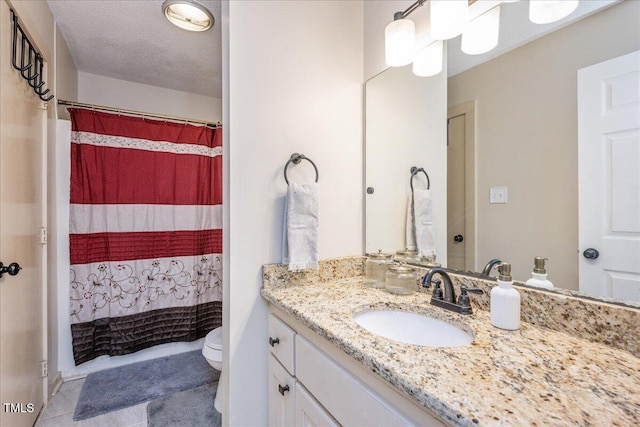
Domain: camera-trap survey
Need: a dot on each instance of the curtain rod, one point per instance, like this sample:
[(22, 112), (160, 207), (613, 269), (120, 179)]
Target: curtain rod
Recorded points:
[(138, 113)]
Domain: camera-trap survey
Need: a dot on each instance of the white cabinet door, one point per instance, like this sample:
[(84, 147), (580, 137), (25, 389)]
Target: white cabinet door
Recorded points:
[(309, 413), (609, 177), (281, 395), (347, 399)]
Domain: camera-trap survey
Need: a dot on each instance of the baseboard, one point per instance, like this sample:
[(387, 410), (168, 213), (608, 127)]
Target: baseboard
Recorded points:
[(55, 385)]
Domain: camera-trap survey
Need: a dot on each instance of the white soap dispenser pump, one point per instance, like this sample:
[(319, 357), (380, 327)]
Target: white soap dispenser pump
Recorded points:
[(505, 301), (539, 278)]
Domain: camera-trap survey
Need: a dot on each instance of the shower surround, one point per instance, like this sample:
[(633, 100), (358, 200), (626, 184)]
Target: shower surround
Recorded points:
[(145, 232)]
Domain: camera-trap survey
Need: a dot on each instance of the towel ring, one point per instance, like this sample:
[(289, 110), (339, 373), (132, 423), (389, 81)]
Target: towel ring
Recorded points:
[(296, 159), (414, 172)]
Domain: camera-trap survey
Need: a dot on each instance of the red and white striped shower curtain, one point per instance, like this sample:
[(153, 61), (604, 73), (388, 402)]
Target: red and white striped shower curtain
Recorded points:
[(145, 232)]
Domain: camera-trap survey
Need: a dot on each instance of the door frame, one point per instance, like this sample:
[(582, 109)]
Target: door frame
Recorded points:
[(468, 109)]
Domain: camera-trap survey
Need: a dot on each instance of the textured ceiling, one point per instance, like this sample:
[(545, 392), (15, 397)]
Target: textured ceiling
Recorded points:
[(132, 40)]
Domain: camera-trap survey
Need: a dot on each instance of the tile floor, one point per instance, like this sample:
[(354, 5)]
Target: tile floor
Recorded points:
[(59, 411)]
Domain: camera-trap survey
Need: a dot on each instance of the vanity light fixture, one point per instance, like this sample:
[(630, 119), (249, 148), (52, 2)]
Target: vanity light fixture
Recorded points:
[(399, 41), (546, 11), (449, 18), (428, 60), (482, 33), (188, 15)]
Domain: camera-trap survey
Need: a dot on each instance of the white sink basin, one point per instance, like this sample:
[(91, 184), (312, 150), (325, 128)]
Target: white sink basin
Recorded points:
[(412, 328)]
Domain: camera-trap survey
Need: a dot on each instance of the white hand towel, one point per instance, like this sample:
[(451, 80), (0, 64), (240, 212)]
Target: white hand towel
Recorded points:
[(410, 228), (300, 231), (423, 217)]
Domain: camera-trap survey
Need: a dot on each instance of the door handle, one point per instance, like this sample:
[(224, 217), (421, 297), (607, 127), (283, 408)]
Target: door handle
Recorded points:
[(12, 269), (458, 238), (591, 253)]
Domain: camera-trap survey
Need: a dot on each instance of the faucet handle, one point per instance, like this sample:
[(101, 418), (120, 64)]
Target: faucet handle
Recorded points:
[(437, 291), (463, 299)]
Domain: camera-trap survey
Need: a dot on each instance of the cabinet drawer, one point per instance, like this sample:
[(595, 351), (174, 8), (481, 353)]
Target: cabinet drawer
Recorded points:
[(281, 342), (281, 395), (351, 402)]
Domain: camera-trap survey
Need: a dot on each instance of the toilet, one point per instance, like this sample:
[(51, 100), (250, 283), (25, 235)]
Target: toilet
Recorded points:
[(212, 351)]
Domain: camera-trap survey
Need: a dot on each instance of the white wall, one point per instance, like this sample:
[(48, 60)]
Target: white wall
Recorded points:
[(128, 95), (296, 73), (110, 92)]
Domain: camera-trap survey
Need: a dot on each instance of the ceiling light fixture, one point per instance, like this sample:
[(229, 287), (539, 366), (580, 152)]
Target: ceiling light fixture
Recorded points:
[(188, 15), (482, 33), (547, 11)]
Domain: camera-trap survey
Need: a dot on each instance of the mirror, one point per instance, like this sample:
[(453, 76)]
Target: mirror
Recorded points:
[(522, 108)]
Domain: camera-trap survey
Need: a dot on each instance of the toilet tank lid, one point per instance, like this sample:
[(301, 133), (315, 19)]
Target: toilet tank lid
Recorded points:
[(214, 339)]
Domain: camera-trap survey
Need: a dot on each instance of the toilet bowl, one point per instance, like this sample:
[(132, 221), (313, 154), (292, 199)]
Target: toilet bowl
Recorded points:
[(212, 351)]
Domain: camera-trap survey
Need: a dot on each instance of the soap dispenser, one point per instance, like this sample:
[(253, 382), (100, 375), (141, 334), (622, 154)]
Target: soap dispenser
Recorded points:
[(505, 301), (539, 279)]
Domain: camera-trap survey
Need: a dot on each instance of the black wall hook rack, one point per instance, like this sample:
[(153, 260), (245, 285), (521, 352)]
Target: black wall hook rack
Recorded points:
[(31, 64), (414, 171), (296, 159)]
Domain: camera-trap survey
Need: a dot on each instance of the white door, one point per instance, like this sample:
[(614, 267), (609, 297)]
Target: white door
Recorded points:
[(609, 178), (21, 216)]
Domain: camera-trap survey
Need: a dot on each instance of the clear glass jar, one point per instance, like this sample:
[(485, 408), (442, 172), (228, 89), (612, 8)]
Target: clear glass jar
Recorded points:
[(401, 279), (376, 267), (407, 255)]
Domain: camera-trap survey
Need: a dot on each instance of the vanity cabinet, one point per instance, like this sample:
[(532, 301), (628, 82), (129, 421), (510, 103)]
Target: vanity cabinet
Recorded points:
[(290, 404), (311, 382)]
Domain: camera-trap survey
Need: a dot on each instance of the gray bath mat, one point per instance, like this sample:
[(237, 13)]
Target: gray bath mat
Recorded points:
[(192, 408), (126, 386)]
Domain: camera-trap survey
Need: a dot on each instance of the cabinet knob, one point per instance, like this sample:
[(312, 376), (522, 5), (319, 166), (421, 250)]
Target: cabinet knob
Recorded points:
[(458, 238), (283, 390), (273, 342)]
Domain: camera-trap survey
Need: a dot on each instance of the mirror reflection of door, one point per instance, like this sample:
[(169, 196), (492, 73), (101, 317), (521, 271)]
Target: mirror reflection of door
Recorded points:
[(456, 193), (609, 178), (461, 238)]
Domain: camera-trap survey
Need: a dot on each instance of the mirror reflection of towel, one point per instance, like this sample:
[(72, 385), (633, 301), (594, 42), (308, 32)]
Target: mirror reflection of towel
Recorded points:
[(300, 230), (420, 233)]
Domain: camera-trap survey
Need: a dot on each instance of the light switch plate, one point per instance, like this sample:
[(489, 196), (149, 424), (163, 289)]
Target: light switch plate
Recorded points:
[(498, 195)]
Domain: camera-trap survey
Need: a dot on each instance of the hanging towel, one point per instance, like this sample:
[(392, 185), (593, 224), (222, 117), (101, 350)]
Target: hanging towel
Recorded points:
[(410, 229), (420, 233), (300, 230)]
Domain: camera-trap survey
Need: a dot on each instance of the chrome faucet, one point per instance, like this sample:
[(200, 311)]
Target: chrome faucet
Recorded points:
[(487, 268), (448, 300)]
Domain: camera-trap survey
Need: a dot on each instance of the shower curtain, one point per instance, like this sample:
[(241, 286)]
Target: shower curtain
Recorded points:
[(145, 232)]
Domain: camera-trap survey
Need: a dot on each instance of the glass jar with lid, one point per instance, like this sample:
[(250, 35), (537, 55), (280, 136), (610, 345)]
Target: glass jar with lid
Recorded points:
[(376, 267), (407, 255), (401, 279)]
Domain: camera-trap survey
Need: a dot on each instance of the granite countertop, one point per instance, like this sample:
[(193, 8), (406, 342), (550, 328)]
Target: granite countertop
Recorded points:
[(529, 377)]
